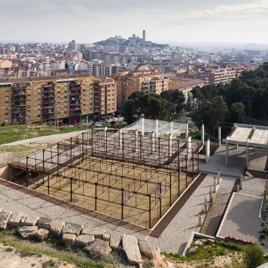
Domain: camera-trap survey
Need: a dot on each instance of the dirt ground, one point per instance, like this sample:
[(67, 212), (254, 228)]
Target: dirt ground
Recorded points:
[(11, 258), (10, 153)]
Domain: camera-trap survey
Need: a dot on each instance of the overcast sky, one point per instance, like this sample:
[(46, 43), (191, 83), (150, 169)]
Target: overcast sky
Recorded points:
[(89, 21)]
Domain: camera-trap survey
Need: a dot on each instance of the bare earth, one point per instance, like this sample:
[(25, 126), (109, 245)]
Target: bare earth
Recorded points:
[(10, 258)]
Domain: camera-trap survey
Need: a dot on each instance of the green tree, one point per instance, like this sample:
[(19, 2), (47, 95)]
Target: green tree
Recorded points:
[(237, 112), (151, 105), (174, 96), (253, 256)]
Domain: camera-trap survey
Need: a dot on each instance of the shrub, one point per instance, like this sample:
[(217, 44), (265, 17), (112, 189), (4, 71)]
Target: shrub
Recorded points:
[(254, 256)]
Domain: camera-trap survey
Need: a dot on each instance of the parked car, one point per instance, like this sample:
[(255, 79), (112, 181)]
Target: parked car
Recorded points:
[(96, 124)]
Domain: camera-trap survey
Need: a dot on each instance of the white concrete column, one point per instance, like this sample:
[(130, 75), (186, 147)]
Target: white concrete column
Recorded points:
[(169, 145), (120, 138), (207, 150), (142, 126), (152, 142), (210, 195), (203, 133), (171, 128), (226, 153), (105, 133), (189, 147), (241, 182), (156, 128), (187, 129), (136, 142), (218, 176), (219, 135), (247, 155)]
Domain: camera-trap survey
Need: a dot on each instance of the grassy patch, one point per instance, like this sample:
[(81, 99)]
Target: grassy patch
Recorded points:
[(54, 249), (20, 132), (207, 253), (193, 133)]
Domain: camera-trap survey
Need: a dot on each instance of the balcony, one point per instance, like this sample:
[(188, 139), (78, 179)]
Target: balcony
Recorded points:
[(18, 93), (45, 96), (75, 93), (19, 104)]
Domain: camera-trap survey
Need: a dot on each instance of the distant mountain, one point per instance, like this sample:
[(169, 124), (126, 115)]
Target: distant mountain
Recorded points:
[(134, 41)]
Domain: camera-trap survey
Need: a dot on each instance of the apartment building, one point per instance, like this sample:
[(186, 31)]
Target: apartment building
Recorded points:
[(104, 97), (187, 86), (55, 100), (215, 74), (150, 81)]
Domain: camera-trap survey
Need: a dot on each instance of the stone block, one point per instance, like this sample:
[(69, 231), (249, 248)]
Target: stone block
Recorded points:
[(4, 217), (68, 238), (42, 233), (97, 232), (72, 228), (15, 219), (192, 250), (56, 227), (131, 248), (115, 240), (31, 220), (146, 249), (26, 231), (106, 236), (98, 247), (44, 222), (84, 240), (156, 252)]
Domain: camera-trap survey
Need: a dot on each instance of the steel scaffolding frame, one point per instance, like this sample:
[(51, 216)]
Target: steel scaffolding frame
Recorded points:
[(140, 175)]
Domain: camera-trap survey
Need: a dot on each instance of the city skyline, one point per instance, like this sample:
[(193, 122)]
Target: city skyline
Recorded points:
[(90, 21)]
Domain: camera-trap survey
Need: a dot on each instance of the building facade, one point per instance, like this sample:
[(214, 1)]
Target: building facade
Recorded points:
[(56, 100), (149, 81)]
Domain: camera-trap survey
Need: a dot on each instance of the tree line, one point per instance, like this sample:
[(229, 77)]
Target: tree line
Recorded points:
[(153, 106), (244, 96)]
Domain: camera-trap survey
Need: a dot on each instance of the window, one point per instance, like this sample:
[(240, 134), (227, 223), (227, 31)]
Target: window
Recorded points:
[(6, 91), (6, 114), (38, 90), (38, 111), (28, 90), (6, 97), (7, 103)]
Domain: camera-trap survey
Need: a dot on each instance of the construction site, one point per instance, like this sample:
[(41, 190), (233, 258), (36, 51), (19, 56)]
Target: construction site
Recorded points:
[(133, 175)]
